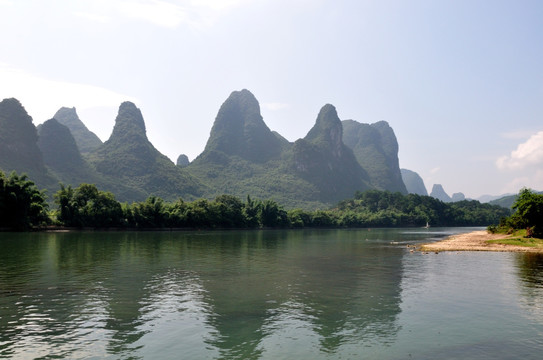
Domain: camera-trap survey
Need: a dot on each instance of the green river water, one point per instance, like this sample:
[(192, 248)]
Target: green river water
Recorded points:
[(293, 294)]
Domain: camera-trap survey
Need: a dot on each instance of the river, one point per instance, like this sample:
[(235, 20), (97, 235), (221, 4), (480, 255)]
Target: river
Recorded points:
[(271, 294)]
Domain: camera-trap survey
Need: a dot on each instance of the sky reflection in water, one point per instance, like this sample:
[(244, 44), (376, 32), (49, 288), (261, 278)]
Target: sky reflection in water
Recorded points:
[(264, 295)]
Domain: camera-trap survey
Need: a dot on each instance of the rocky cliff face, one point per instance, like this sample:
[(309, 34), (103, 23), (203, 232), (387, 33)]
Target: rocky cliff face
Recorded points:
[(413, 182), (18, 140), (323, 159), (240, 130), (19, 149), (86, 140), (59, 148), (327, 132), (182, 161), (376, 149)]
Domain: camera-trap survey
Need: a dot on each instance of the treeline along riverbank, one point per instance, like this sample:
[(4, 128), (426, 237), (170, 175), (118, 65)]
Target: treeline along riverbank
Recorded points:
[(23, 207)]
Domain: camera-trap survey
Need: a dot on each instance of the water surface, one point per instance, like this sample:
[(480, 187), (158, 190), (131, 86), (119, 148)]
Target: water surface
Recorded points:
[(299, 294)]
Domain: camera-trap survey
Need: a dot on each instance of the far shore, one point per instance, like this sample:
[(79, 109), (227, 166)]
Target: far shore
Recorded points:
[(476, 241)]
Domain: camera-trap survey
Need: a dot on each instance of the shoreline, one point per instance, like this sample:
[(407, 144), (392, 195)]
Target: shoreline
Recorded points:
[(475, 241)]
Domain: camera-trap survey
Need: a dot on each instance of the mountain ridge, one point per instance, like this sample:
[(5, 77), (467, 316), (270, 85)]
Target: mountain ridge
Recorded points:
[(242, 157), (86, 140), (376, 149)]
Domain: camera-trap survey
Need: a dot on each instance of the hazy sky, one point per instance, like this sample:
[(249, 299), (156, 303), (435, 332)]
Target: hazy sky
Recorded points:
[(460, 82)]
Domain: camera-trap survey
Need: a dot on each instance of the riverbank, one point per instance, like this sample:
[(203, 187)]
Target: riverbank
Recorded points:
[(476, 241)]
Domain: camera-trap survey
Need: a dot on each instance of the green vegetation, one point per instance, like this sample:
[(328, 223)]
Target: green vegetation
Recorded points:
[(242, 156), (239, 130), (130, 158), (528, 216), (22, 205), (85, 206), (375, 208), (18, 144), (86, 140), (518, 238), (376, 150)]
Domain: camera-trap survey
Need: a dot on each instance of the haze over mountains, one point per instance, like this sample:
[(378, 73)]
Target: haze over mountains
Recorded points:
[(242, 157)]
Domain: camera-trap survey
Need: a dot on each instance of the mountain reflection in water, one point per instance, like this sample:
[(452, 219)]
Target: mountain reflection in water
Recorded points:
[(258, 295)]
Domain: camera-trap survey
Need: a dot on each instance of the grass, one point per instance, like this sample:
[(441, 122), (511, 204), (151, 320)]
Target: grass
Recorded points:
[(518, 238)]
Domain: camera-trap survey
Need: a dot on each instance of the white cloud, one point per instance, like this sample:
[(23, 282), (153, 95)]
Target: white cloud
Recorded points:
[(42, 97), (532, 181), (275, 106), (529, 153), (435, 170)]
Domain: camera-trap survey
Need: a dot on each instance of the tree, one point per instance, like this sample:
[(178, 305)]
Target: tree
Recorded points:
[(152, 213), (271, 214), (22, 205), (86, 206), (529, 211), (230, 210), (250, 213)]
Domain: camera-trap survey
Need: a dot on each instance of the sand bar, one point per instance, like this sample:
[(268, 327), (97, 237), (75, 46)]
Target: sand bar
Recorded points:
[(475, 241)]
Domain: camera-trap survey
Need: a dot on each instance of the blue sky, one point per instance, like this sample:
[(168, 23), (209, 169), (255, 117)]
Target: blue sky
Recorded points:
[(460, 82)]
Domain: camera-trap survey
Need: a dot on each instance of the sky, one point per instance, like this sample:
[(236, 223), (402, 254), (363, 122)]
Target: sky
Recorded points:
[(460, 82)]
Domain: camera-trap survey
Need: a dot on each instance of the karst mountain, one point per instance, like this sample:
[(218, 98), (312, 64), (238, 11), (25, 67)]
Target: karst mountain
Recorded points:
[(242, 157)]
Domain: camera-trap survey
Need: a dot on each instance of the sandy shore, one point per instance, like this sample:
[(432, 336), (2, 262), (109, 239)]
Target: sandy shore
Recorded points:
[(475, 241)]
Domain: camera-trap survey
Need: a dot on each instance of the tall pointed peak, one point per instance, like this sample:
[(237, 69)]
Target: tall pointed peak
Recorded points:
[(18, 141), (240, 130), (327, 115), (15, 123), (240, 107), (327, 128), (129, 122)]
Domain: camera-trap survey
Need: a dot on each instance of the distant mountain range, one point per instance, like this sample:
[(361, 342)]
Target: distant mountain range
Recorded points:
[(242, 157)]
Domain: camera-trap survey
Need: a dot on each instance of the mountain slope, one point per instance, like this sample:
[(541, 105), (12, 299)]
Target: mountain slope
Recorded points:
[(376, 149), (130, 158), (439, 193), (413, 182), (62, 157), (234, 163), (322, 159), (19, 149), (60, 152), (85, 139), (240, 130)]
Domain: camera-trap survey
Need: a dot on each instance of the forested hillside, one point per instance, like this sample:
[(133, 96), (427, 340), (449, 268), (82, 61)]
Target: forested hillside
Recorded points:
[(23, 206), (376, 149), (242, 157)]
